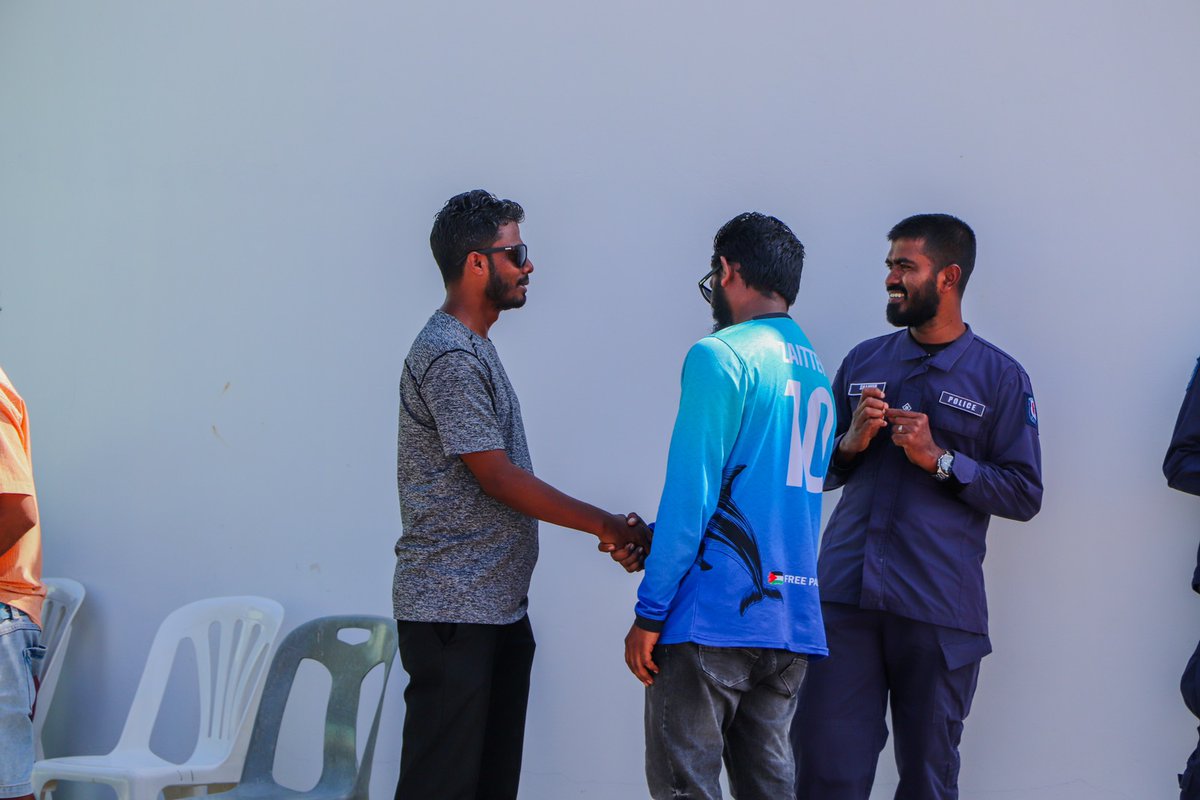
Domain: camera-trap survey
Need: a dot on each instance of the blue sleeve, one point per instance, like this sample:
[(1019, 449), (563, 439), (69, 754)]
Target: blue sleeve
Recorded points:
[(1182, 464), (710, 412), (1009, 483)]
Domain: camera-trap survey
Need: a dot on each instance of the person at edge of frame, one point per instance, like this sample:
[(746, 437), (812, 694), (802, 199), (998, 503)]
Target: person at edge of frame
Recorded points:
[(1182, 470), (21, 595)]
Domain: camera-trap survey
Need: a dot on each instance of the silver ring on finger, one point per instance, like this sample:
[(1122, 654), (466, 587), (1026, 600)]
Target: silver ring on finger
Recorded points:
[(899, 429)]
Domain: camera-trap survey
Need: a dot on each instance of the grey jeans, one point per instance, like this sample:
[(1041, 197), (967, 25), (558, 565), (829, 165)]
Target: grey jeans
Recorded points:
[(709, 703)]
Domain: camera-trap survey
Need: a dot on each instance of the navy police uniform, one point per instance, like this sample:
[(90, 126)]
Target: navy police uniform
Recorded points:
[(1182, 468), (901, 565)]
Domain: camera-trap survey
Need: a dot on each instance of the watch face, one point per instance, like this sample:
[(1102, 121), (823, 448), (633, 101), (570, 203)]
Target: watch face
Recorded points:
[(944, 463)]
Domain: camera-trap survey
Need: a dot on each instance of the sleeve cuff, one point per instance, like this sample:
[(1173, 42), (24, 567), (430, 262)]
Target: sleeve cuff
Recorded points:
[(647, 624), (1189, 483), (837, 474), (964, 472)]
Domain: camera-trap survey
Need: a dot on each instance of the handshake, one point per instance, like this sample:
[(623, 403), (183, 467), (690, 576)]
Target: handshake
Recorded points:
[(626, 538)]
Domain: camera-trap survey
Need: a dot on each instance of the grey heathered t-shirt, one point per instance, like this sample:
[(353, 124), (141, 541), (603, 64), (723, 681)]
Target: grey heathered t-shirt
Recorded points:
[(463, 556)]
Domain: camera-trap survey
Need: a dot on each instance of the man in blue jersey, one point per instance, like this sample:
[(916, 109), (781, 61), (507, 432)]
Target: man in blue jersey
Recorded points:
[(1182, 468), (729, 612), (937, 431)]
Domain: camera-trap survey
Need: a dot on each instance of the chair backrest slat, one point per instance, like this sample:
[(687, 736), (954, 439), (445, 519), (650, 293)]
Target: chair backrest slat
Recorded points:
[(348, 665), (214, 627), (63, 599)]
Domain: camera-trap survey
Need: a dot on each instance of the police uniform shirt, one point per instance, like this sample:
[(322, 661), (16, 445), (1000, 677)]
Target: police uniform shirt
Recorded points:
[(1182, 464), (899, 540)]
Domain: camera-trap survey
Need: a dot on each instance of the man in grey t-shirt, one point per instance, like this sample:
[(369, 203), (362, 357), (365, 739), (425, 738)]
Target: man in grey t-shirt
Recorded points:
[(470, 503)]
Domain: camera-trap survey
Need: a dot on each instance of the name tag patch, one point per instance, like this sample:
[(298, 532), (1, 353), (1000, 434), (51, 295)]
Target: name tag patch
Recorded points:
[(962, 404), (856, 389)]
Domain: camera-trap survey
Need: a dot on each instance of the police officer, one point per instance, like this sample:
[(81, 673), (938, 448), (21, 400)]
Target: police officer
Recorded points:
[(937, 431), (1182, 468)]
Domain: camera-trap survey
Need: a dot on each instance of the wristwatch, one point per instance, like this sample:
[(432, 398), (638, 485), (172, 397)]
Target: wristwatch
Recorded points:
[(945, 466)]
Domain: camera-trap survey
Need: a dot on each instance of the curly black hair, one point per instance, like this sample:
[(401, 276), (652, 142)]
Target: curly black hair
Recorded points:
[(948, 240), (770, 255), (469, 221)]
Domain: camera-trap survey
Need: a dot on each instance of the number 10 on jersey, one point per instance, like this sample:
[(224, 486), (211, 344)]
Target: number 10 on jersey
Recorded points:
[(809, 443)]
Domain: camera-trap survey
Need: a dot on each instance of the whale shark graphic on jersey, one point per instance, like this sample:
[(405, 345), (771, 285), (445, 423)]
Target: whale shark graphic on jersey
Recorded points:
[(730, 530)]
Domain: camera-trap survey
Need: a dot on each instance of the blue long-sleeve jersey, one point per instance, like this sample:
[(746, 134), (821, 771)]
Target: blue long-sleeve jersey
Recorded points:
[(735, 543)]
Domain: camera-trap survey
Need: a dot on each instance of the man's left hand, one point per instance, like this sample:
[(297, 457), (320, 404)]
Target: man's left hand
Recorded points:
[(639, 647), (910, 431)]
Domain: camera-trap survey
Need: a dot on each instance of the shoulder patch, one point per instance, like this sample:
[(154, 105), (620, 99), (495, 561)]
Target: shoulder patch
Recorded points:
[(1031, 411)]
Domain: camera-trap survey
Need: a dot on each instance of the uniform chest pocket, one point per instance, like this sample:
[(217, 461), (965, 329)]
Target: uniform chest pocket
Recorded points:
[(959, 423)]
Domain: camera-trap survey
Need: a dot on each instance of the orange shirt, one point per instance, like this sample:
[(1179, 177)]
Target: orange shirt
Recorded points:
[(21, 566)]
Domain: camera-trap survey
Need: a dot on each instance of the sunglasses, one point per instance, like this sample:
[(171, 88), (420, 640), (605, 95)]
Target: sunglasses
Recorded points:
[(519, 251), (705, 288)]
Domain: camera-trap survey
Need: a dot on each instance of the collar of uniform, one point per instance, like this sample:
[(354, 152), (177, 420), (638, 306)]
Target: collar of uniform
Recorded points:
[(911, 350)]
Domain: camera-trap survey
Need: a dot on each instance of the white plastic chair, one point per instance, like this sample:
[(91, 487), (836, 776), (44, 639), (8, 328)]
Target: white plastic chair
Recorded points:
[(232, 637), (63, 598)]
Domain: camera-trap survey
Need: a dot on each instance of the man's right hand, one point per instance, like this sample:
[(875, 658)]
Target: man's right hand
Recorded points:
[(868, 420), (632, 556), (627, 539)]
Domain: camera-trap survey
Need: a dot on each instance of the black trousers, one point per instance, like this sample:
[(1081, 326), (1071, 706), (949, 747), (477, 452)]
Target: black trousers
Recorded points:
[(1189, 686), (464, 719)]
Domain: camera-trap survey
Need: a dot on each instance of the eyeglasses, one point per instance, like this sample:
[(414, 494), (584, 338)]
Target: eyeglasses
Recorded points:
[(705, 289), (520, 251)]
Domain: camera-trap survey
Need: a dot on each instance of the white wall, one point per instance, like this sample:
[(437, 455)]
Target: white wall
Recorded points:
[(213, 227)]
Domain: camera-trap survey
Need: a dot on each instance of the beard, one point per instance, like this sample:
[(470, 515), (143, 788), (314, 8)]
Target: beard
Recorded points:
[(503, 295), (721, 312), (922, 306)]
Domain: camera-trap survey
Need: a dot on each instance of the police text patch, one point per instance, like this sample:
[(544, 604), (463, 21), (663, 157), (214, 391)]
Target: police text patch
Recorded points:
[(856, 389), (962, 404)]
